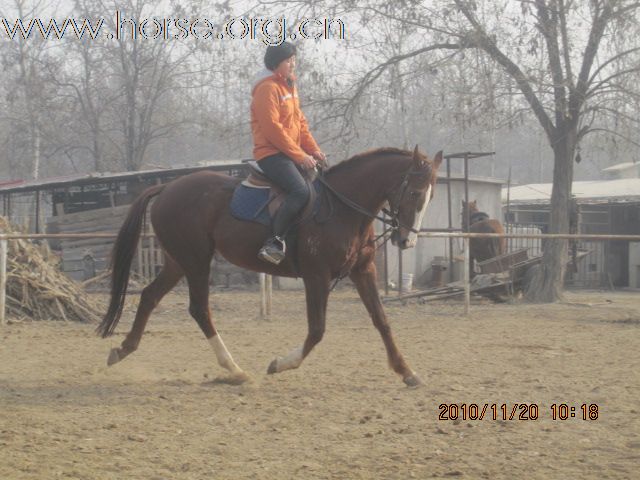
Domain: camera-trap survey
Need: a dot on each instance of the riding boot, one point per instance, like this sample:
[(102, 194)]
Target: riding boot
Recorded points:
[(274, 249), (284, 173)]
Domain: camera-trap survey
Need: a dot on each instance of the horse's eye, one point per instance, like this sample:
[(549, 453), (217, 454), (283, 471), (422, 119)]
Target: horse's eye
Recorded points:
[(415, 194)]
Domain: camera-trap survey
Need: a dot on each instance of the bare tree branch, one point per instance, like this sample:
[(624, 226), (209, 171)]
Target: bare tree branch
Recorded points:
[(548, 26), (486, 43), (609, 61), (566, 45), (372, 75), (600, 21), (616, 134)]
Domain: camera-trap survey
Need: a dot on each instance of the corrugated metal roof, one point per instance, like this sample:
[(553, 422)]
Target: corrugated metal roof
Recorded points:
[(598, 191), (15, 186), (621, 167)]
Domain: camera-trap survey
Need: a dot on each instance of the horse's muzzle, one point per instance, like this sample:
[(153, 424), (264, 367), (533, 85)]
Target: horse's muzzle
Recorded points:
[(403, 243), (406, 243)]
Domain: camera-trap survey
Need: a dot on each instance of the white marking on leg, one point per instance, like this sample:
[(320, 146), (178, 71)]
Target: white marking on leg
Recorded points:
[(412, 240), (292, 360), (222, 354)]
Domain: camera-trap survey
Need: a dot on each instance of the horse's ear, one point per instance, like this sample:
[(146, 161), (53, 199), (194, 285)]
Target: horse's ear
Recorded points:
[(437, 161), (417, 158)]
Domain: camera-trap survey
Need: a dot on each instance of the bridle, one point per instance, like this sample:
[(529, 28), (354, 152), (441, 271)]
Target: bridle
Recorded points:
[(392, 214), (393, 223), (391, 220)]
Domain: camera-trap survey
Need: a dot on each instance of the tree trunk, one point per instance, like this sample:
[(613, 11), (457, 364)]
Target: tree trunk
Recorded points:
[(96, 151), (547, 283), (129, 134), (36, 150)]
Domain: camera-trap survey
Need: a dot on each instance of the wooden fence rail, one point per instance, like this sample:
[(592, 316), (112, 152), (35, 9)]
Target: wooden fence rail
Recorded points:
[(265, 290)]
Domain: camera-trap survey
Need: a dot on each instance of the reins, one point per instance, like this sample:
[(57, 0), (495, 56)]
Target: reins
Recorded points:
[(393, 221)]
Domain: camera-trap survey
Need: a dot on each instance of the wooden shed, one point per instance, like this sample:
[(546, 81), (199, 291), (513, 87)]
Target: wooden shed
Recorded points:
[(603, 207), (88, 204)]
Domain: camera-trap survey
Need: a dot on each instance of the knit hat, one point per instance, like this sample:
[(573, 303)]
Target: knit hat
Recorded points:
[(276, 54)]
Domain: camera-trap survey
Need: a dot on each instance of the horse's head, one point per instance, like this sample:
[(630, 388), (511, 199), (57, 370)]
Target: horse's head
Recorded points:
[(467, 211), (409, 202), (473, 207)]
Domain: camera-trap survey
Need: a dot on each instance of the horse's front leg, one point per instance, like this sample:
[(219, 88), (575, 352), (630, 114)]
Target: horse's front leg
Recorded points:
[(364, 278), (317, 293)]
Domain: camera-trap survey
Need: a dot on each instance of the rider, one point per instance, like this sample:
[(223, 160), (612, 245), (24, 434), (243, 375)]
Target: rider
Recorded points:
[(283, 144)]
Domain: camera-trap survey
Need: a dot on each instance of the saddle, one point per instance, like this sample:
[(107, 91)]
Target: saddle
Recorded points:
[(258, 199), (478, 217)]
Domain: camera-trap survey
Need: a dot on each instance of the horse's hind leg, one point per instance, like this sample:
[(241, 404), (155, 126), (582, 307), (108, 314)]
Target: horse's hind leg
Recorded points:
[(170, 274), (472, 260), (365, 280), (198, 279)]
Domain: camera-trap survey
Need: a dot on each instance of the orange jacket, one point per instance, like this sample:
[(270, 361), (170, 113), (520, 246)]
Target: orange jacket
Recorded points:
[(278, 124)]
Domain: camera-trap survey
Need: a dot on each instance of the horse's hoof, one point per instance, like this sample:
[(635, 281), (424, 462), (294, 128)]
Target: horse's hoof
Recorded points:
[(114, 357), (412, 381), (233, 379), (273, 367)]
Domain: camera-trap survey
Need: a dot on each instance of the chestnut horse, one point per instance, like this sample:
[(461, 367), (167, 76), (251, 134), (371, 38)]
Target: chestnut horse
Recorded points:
[(192, 220), (481, 249)]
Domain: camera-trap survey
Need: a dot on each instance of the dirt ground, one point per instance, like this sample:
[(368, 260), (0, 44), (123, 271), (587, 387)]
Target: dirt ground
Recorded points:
[(159, 415)]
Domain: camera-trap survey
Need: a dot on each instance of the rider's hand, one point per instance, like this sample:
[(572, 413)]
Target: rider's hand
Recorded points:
[(308, 162), (320, 157)]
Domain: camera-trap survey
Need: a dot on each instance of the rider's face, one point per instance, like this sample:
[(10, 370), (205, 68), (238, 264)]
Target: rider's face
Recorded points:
[(286, 67)]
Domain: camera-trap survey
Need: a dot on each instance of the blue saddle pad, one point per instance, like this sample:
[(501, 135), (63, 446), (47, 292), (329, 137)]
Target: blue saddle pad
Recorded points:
[(250, 203)]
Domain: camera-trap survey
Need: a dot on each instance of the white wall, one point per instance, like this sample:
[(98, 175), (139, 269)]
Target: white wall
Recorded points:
[(634, 264)]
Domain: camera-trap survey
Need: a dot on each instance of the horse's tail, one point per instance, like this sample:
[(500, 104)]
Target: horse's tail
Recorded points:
[(121, 258)]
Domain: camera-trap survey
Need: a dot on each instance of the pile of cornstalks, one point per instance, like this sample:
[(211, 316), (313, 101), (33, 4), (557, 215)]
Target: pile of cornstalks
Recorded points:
[(38, 290)]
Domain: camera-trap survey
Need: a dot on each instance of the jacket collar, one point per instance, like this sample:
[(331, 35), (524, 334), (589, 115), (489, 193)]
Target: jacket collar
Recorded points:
[(266, 74), (290, 82)]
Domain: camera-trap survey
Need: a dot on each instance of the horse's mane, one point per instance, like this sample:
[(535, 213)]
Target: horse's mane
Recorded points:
[(369, 153)]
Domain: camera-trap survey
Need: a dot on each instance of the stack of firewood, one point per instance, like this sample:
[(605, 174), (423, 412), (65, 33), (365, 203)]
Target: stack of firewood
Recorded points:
[(38, 290)]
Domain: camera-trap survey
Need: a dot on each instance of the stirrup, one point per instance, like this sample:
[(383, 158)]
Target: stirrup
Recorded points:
[(272, 252)]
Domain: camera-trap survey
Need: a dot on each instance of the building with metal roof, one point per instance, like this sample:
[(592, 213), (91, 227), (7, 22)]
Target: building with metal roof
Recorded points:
[(601, 207)]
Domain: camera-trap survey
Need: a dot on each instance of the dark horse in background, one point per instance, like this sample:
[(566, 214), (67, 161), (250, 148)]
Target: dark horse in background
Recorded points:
[(481, 249), (192, 220)]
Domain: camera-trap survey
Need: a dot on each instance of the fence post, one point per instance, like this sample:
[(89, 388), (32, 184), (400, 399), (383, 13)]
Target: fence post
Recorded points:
[(399, 270), (3, 280), (466, 279), (263, 295), (269, 289)]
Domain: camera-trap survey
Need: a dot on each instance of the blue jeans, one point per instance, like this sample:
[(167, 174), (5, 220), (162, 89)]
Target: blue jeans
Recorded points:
[(283, 171)]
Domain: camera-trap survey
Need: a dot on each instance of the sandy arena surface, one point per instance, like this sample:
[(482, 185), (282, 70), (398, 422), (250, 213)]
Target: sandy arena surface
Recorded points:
[(159, 415)]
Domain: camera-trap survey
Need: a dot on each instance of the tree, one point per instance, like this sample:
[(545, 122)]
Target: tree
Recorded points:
[(143, 77), (82, 83), (22, 61), (566, 121), (562, 55)]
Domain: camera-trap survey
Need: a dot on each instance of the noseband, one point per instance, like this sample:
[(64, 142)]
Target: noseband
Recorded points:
[(394, 207)]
